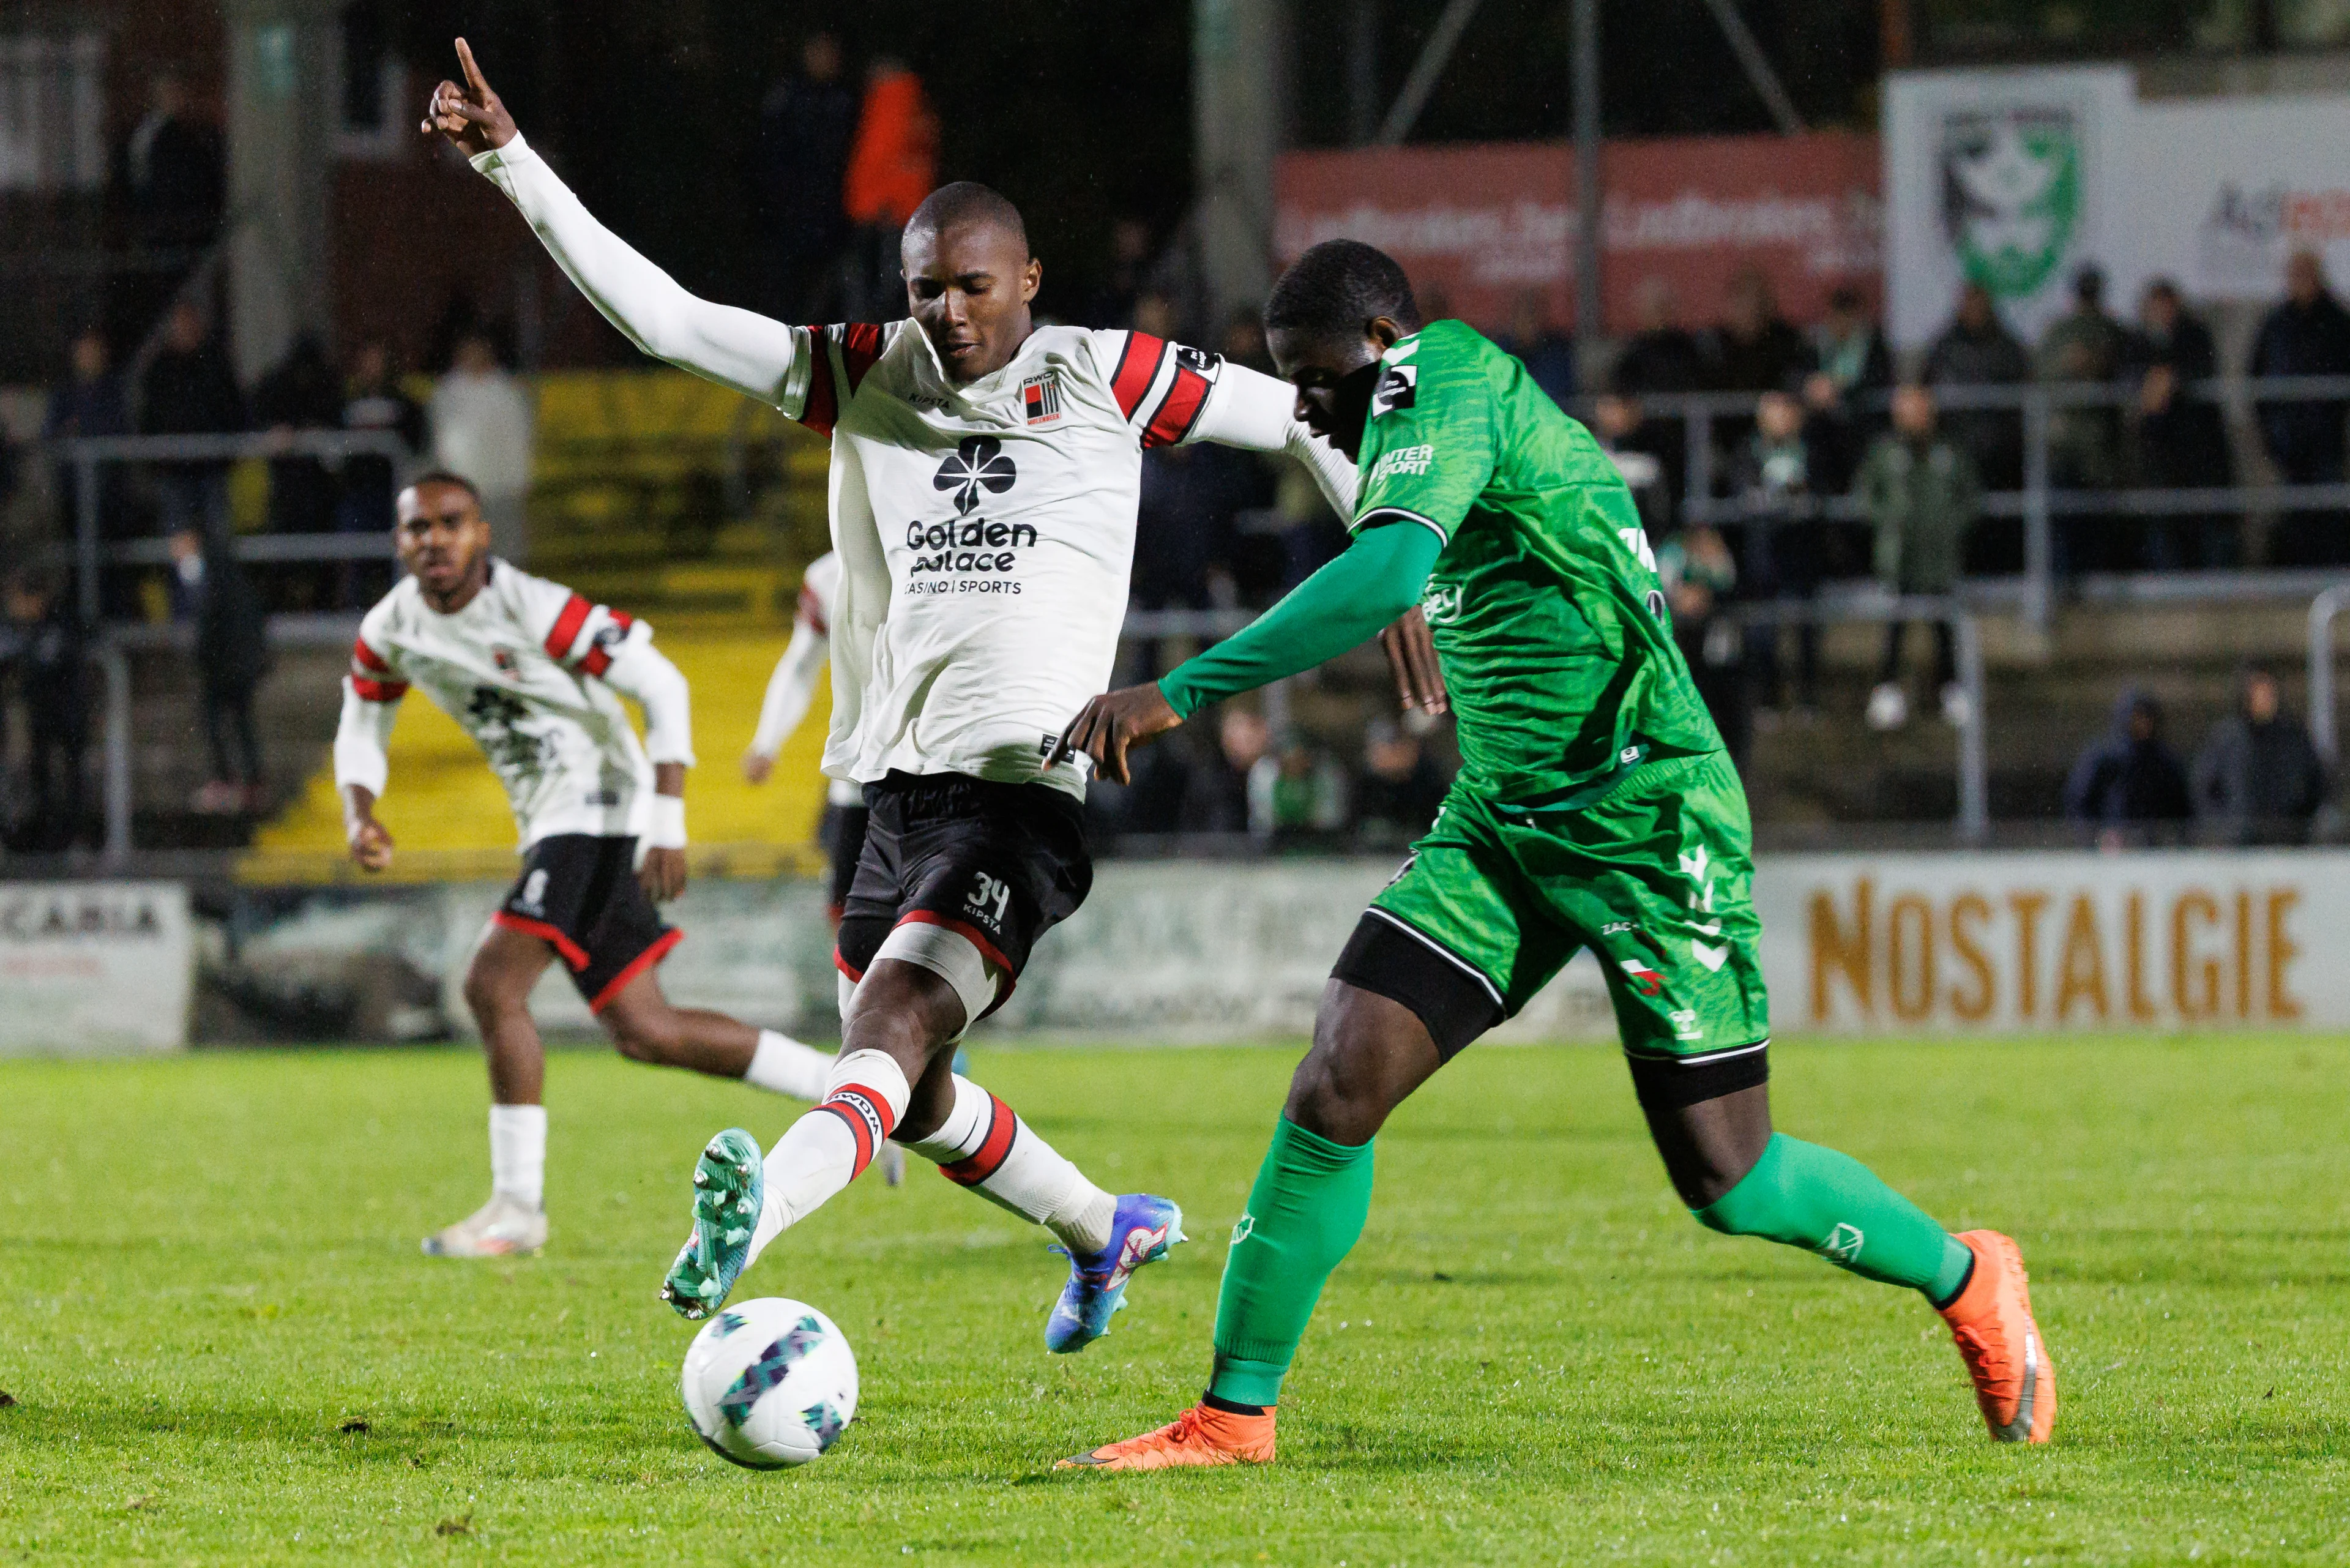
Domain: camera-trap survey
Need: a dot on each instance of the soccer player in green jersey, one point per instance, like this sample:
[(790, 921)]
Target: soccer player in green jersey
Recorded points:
[(1594, 809)]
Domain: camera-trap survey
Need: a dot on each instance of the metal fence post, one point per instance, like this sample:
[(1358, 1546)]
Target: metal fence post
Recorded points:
[(118, 752), (2321, 730), (1974, 782), (86, 537), (1697, 437), (2039, 532)]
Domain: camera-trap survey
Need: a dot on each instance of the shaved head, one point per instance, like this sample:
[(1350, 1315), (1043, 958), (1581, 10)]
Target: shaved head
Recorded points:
[(964, 202)]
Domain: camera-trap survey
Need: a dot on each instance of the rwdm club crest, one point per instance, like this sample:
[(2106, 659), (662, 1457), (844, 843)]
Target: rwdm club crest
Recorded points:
[(2010, 194)]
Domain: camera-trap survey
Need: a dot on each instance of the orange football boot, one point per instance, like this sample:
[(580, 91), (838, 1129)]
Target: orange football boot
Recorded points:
[(1991, 1324), (1199, 1436)]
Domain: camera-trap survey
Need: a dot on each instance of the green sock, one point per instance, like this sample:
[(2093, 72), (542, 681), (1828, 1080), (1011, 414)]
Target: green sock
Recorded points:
[(1304, 1215), (1831, 1204)]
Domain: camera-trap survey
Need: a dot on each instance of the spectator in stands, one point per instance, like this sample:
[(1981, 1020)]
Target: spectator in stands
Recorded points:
[(302, 393), (2307, 334), (1755, 349), (2085, 451), (1920, 489), (1840, 397), (1112, 302), (1780, 557), (1298, 793), (1978, 350), (892, 164), (1698, 575), (172, 170), (231, 658), (188, 390), (483, 428), (1662, 357), (1401, 788), (806, 123), (1547, 353), (90, 403), (41, 646), (2181, 444), (2257, 779), (2129, 788), (1850, 348), (373, 404), (1218, 799), (1621, 429)]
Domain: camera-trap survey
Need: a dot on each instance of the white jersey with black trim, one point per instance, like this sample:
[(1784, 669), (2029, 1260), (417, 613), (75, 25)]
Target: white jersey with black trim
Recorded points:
[(526, 669), (985, 529)]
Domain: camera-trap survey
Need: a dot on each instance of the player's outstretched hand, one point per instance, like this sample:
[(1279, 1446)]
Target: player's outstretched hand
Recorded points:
[(370, 843), (1411, 655), (471, 116), (1104, 726), (662, 875), (756, 768)]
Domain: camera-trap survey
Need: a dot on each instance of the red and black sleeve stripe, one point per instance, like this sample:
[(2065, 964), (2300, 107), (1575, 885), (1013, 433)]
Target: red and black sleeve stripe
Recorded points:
[(1138, 369), (1179, 410), (567, 629), (823, 410), (598, 656), (371, 675)]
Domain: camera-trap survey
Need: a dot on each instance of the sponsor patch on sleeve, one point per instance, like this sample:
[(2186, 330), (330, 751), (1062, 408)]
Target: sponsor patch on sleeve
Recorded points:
[(1399, 387)]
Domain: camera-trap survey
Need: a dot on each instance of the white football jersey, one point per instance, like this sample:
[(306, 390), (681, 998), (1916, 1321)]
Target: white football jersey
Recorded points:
[(985, 530), (520, 669)]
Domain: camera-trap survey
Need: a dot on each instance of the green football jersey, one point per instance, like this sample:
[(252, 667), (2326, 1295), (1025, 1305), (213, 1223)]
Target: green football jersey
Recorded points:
[(1556, 642)]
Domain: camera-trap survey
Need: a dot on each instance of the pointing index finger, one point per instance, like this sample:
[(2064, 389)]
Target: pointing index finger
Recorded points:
[(473, 72)]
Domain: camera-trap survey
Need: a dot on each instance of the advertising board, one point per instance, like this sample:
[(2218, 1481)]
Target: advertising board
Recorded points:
[(91, 967)]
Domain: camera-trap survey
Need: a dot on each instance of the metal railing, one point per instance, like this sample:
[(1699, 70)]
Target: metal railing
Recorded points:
[(1973, 768), (85, 455), (2039, 502)]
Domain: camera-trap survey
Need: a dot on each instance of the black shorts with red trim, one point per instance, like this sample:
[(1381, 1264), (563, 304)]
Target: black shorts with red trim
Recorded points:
[(580, 894), (842, 833), (1001, 863)]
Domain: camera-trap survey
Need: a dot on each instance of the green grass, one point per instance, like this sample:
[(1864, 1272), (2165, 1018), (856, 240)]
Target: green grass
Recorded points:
[(209, 1273)]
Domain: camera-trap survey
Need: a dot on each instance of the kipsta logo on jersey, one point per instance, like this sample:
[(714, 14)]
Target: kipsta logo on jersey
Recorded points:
[(1199, 362), (1040, 398), (977, 464)]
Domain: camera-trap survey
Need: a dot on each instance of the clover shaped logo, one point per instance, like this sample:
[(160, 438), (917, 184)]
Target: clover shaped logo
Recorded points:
[(977, 464)]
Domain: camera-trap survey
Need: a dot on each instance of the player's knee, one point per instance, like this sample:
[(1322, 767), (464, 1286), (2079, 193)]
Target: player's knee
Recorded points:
[(1330, 1102), (654, 1036), (490, 992)]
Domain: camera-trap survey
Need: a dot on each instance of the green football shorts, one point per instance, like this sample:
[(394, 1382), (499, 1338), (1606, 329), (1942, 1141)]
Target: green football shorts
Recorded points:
[(1653, 876)]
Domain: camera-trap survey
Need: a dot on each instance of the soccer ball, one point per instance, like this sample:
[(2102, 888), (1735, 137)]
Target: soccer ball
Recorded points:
[(769, 1383)]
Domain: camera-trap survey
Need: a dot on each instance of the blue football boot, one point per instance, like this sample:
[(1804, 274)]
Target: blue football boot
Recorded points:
[(1140, 1231), (730, 1185)]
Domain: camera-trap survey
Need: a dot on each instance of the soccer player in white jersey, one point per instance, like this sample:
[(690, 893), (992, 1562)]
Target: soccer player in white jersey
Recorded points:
[(984, 477), (790, 690), (536, 673)]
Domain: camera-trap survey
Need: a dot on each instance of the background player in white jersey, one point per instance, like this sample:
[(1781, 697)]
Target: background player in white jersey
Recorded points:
[(985, 478), (790, 690), (534, 673)]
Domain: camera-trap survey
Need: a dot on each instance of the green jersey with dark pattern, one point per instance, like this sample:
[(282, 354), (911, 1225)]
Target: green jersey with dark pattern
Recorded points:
[(1557, 646)]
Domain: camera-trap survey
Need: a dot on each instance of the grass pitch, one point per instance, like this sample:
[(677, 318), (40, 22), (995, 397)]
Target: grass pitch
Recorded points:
[(223, 1344)]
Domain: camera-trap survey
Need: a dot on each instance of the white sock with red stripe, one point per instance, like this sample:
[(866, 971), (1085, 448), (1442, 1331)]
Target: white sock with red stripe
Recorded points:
[(781, 1065), (984, 1145), (864, 1096)]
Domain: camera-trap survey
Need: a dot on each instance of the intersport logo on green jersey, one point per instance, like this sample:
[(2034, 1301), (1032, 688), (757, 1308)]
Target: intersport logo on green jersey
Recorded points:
[(1411, 459)]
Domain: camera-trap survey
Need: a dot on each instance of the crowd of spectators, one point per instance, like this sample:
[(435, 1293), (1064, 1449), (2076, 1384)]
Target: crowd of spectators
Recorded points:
[(2257, 778)]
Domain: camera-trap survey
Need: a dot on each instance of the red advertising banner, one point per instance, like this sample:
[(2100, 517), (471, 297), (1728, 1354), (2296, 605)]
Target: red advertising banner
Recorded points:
[(1483, 225)]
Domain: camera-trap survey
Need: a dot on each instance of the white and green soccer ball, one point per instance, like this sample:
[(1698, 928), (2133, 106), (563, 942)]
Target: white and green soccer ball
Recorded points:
[(770, 1384)]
